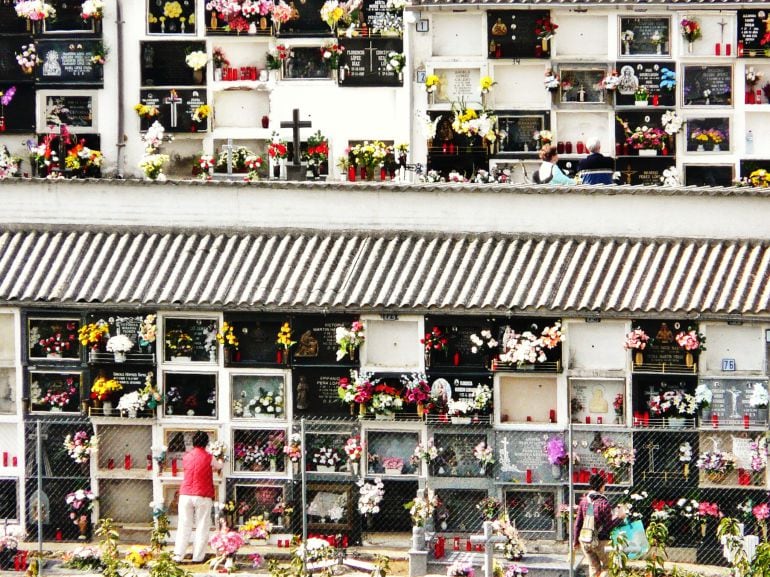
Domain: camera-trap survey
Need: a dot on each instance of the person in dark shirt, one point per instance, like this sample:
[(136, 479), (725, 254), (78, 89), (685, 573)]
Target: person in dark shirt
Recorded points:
[(604, 523), (596, 168)]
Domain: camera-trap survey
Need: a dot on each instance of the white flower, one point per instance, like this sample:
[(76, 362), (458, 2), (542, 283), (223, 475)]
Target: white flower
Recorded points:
[(119, 344), (196, 60)]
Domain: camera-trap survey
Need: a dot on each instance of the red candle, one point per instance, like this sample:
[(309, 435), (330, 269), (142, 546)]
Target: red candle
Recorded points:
[(479, 547), (740, 48), (468, 546), (728, 49), (351, 173), (576, 476), (715, 421), (655, 100), (529, 475), (610, 478), (594, 470), (568, 147), (743, 477), (149, 462), (15, 461), (745, 421), (456, 359), (599, 420), (529, 419), (383, 173), (279, 356), (127, 462), (59, 536), (552, 415), (588, 420), (717, 49), (173, 467), (560, 147), (5, 459), (646, 419), (456, 544), (581, 149), (111, 464)]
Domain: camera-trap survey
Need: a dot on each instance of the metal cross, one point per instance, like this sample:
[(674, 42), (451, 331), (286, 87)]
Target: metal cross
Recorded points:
[(629, 173), (722, 23), (371, 50), (295, 124), (651, 450), (173, 101)]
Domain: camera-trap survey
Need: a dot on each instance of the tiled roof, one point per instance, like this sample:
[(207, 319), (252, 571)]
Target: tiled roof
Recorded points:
[(312, 271)]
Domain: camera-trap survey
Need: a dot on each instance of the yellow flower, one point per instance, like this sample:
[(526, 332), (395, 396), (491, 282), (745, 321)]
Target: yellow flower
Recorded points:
[(172, 9), (431, 81), (226, 336), (284, 337), (486, 83), (191, 20), (152, 19), (92, 333)]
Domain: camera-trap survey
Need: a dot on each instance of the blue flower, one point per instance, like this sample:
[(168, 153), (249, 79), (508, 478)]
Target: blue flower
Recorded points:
[(667, 79)]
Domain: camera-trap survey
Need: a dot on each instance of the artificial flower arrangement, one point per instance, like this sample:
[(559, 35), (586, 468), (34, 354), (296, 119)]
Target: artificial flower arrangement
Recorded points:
[(527, 347), (551, 80), (637, 340), (179, 343), (618, 457), (326, 457), (196, 59), (460, 569), (641, 94), (83, 558), (667, 79), (484, 454), (91, 334), (545, 29), (752, 76), (103, 388), (28, 59), (416, 388), (237, 155), (369, 154), (149, 394), (317, 149), (759, 396), (691, 340), (422, 507), (281, 14), (332, 12), (146, 111), (542, 137), (201, 113), (331, 52), (759, 178), (225, 544), (153, 161), (611, 81), (435, 340), (386, 399), (82, 160), (293, 448), (432, 83), (482, 399), (389, 23), (132, 402), (119, 344), (393, 464), (513, 547), (459, 408), (690, 29), (617, 404), (489, 507), (758, 453), (396, 61), (485, 84), (9, 165), (356, 389), (267, 402), (275, 58), (353, 448), (226, 336), (627, 36), (556, 451), (249, 456), (644, 137), (80, 446), (218, 450), (471, 123), (173, 396), (79, 502), (672, 122), (92, 10), (715, 461), (672, 403), (370, 496), (257, 527), (703, 396), (62, 339), (35, 10), (204, 166), (349, 339), (425, 452)]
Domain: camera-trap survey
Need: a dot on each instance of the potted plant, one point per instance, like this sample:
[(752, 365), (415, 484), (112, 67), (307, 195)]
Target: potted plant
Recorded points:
[(484, 454), (119, 345), (641, 96), (703, 398), (103, 391), (179, 346), (691, 341), (349, 339), (392, 465)]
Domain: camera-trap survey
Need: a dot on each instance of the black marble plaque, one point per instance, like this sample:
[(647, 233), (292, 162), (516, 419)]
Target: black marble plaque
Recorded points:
[(459, 354), (520, 127), (645, 386), (132, 379), (257, 338), (365, 59), (643, 170), (730, 397), (67, 19), (708, 86), (747, 166), (649, 116), (194, 394), (20, 112), (752, 27), (202, 332), (662, 347), (532, 511), (458, 512), (68, 62), (644, 32), (317, 341), (306, 62), (643, 74), (10, 23), (73, 110), (456, 457), (163, 63), (657, 458), (709, 174), (315, 392), (511, 34), (176, 108)]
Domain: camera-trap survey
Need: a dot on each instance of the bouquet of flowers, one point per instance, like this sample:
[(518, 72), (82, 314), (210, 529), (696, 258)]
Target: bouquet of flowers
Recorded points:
[(459, 407), (396, 61), (545, 28), (35, 10), (485, 84), (484, 454), (277, 148), (201, 113), (489, 508), (131, 402), (672, 403), (80, 501), (691, 340), (617, 404), (759, 396), (357, 389), (627, 36), (80, 446), (104, 388), (644, 137), (551, 80), (82, 160), (425, 452), (349, 339), (667, 79), (392, 463), (353, 448), (282, 13), (752, 76), (468, 121), (416, 388), (556, 451), (179, 343), (611, 81), (386, 399), (249, 455), (332, 13), (218, 450), (276, 58), (92, 333), (268, 403), (331, 52), (431, 83), (521, 349), (482, 399), (283, 339), (92, 10), (514, 570), (703, 396), (514, 546), (483, 342), (138, 556), (28, 59), (758, 452), (173, 396), (617, 456), (317, 148), (293, 448), (146, 111), (370, 496), (690, 29), (460, 569), (196, 59), (715, 462), (542, 137), (672, 122), (326, 457), (435, 340), (119, 344), (423, 506), (257, 527), (84, 559)]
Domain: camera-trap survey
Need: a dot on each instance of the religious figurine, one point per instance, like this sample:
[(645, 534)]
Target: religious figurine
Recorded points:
[(664, 334), (441, 391), (302, 389), (581, 94), (308, 345), (598, 403), (499, 28), (628, 81), (51, 66)]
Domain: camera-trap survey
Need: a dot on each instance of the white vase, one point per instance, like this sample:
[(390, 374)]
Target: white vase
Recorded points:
[(107, 408), (181, 359), (273, 465), (676, 422), (418, 538), (640, 103), (393, 472), (132, 413), (217, 74), (700, 148), (253, 28), (648, 152), (717, 148), (461, 420), (120, 356), (556, 472)]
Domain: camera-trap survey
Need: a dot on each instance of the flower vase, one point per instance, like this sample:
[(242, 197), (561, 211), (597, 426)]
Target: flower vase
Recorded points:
[(263, 23), (107, 408), (544, 45), (676, 422), (556, 472), (352, 409), (273, 465), (431, 98), (420, 410), (253, 28), (132, 413), (198, 76), (716, 148), (627, 48), (229, 564), (427, 359), (418, 539), (361, 410), (120, 356), (217, 74), (689, 48), (295, 468), (276, 171), (354, 465), (700, 148), (284, 172), (83, 527), (276, 28), (689, 360), (648, 152), (658, 49)]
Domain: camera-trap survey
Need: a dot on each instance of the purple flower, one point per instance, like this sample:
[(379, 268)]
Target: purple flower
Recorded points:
[(8, 96)]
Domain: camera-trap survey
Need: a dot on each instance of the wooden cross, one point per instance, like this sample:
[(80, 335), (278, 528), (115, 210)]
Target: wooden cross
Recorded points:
[(651, 450), (629, 173), (173, 101), (371, 50), (295, 124)]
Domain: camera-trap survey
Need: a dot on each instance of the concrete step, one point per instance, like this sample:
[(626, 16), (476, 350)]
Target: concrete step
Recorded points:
[(538, 564)]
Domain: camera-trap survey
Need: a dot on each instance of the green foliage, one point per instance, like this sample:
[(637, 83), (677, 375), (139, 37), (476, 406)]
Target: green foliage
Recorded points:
[(164, 566), (618, 557), (160, 533), (729, 529), (108, 542), (657, 535), (381, 566), (760, 567)]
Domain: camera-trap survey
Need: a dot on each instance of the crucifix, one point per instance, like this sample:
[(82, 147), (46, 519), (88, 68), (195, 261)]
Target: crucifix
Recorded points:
[(371, 50), (722, 23), (173, 101), (295, 124), (651, 452), (629, 173)]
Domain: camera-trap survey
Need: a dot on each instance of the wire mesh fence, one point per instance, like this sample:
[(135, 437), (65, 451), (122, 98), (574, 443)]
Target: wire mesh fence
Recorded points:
[(351, 480)]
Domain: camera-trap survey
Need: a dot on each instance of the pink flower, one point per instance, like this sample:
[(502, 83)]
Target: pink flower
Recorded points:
[(761, 512)]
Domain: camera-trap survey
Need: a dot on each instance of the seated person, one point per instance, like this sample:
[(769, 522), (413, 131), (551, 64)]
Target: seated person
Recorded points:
[(596, 168), (549, 172)]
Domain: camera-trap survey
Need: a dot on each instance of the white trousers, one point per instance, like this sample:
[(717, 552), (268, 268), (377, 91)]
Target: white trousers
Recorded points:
[(199, 509)]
